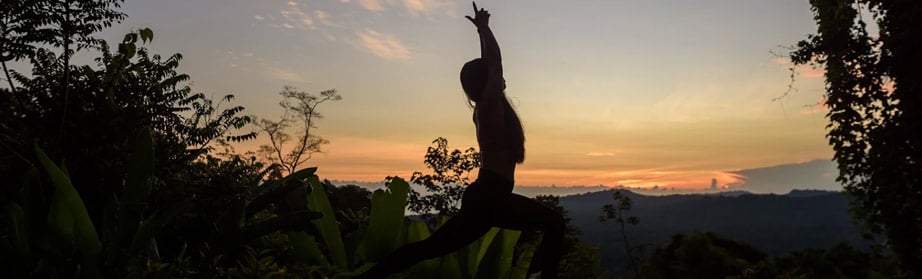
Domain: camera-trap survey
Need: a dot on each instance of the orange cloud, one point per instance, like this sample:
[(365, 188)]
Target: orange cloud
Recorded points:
[(805, 71), (811, 72), (819, 107)]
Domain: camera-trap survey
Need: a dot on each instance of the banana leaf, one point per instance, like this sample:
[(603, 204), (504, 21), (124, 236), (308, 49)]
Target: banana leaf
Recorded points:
[(146, 231), (18, 228), (68, 218), (134, 196), (326, 225), (416, 231), (475, 251), (449, 265), (305, 249), (277, 190), (385, 222), (523, 264), (497, 261)]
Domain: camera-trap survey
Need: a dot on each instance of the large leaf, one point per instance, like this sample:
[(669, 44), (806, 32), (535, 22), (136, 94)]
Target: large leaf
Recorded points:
[(520, 270), (134, 197), (18, 227), (450, 266), (140, 168), (327, 225), (146, 231), (69, 219), (276, 190), (475, 251), (305, 249), (387, 215), (497, 261), (417, 231)]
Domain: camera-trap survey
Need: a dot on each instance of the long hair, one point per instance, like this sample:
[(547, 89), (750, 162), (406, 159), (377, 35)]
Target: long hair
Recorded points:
[(474, 76)]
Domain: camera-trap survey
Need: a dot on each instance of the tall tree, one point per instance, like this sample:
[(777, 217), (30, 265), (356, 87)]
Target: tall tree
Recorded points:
[(299, 108), (874, 96), (18, 20), (66, 24)]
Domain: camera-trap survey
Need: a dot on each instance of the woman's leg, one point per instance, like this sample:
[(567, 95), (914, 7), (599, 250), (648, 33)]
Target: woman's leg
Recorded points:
[(459, 231), (520, 213)]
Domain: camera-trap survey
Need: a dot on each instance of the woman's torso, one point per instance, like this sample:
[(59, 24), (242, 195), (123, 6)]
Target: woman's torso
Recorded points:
[(498, 158)]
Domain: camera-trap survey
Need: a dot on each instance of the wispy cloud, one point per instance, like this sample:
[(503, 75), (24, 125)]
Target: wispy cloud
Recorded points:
[(805, 71), (296, 18), (371, 5), (413, 7), (386, 46), (426, 7), (259, 18), (286, 75), (324, 18)]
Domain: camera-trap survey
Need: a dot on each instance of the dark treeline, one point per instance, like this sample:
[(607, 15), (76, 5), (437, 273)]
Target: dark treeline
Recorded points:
[(120, 169)]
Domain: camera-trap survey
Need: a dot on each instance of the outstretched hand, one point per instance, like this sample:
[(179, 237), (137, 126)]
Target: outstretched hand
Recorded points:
[(481, 17)]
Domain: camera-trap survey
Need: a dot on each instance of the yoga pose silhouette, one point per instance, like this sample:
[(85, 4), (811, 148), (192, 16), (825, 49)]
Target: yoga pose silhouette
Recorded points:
[(488, 201)]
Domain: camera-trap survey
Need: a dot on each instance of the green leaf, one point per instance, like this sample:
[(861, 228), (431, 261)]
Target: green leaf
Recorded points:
[(68, 217), (276, 190), (387, 213), (137, 189), (497, 261), (476, 251), (18, 228), (520, 270), (140, 168), (305, 249), (326, 225), (147, 35), (450, 268), (149, 228), (416, 231)]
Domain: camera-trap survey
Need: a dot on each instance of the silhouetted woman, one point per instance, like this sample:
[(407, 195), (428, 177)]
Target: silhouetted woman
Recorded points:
[(488, 201)]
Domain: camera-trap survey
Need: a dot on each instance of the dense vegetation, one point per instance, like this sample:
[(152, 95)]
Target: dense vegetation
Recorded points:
[(874, 96), (119, 169)]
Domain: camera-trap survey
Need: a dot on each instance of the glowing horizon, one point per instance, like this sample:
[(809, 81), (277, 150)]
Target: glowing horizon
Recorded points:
[(612, 93)]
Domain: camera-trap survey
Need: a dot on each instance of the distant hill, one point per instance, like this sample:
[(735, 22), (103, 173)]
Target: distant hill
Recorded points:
[(817, 174), (774, 224)]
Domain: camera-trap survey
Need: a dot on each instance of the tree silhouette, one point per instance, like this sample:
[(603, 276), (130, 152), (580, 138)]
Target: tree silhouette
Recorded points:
[(450, 176), (299, 108), (874, 96), (617, 213)]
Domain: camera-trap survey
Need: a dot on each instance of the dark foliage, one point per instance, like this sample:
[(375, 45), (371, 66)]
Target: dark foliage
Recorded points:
[(701, 255), (774, 224), (840, 261), (874, 130), (580, 260), (450, 176)]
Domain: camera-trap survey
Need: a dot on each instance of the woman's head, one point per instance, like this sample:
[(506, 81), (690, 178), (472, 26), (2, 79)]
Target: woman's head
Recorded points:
[(474, 79)]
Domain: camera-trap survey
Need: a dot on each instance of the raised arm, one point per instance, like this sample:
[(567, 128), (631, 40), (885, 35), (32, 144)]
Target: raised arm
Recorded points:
[(490, 110), (489, 48)]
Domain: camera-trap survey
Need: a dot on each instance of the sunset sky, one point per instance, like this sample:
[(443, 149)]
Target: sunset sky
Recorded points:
[(640, 93)]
